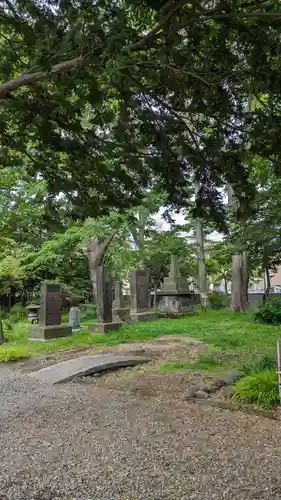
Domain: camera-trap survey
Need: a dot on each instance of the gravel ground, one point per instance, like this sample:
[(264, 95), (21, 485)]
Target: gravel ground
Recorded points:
[(95, 442)]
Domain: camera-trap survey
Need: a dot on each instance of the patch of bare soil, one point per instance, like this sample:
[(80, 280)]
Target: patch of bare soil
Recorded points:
[(162, 350), (43, 360), (145, 381)]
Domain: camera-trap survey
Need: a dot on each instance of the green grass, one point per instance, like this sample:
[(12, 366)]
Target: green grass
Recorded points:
[(235, 339), (204, 363), (172, 367)]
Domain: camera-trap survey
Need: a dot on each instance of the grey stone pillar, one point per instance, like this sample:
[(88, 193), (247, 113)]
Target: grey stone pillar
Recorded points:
[(140, 297), (119, 311), (2, 338), (50, 315), (104, 303)]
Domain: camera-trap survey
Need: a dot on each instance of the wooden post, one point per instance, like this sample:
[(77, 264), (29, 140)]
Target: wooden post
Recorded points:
[(279, 366)]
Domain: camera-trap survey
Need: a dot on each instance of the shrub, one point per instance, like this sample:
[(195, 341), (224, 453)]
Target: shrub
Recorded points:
[(18, 313), (260, 388), (259, 365), (218, 300), (12, 353), (270, 311), (89, 311)]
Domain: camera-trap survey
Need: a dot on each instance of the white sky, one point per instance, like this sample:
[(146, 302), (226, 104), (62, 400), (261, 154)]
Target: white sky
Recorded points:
[(180, 219)]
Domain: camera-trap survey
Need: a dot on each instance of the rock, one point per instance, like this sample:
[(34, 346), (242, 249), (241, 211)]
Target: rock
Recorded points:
[(231, 379), (201, 395), (228, 380), (212, 388), (2, 338), (226, 391), (192, 391), (220, 383)]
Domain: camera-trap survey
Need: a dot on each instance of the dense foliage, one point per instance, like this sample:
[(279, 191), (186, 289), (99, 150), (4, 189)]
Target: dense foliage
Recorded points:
[(103, 101), (270, 311)]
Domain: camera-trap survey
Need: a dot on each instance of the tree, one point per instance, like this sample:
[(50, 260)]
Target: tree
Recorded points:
[(127, 66), (219, 263)]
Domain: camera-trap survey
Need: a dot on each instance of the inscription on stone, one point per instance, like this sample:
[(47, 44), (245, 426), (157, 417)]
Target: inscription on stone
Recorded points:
[(50, 304), (139, 291)]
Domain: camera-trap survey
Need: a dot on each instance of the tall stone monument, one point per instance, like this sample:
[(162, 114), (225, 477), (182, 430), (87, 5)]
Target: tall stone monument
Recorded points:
[(2, 337), (119, 311), (49, 325), (175, 296), (104, 303), (140, 296)]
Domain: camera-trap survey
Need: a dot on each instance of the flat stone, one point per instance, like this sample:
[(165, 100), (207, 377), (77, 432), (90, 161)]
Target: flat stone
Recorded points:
[(192, 392), (42, 332), (226, 391), (231, 379), (86, 365), (210, 388), (201, 395), (104, 327), (143, 316)]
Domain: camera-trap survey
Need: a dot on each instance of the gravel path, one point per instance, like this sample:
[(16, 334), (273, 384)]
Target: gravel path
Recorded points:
[(82, 442)]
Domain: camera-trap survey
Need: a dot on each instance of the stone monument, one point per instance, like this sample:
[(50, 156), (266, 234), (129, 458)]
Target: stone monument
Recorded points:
[(74, 318), (2, 337), (104, 303), (49, 325), (176, 298), (140, 297), (119, 311)]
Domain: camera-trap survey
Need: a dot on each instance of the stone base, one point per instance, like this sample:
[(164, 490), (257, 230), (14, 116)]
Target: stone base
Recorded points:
[(104, 327), (42, 332), (143, 316), (121, 314), (179, 314), (177, 304)]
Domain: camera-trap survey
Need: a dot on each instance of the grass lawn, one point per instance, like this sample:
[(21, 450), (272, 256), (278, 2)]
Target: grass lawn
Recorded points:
[(233, 339)]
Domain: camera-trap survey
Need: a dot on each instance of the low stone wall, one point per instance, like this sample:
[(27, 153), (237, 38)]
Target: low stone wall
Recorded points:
[(255, 300)]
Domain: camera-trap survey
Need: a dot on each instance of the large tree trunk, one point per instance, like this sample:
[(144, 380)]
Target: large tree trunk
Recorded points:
[(225, 286), (96, 254), (268, 281), (240, 271), (202, 273), (239, 288)]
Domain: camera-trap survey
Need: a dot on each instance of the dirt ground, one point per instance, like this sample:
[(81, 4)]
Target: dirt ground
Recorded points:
[(129, 435)]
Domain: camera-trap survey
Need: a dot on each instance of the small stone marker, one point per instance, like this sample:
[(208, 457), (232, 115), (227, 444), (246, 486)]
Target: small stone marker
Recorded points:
[(74, 318), (104, 303), (176, 298), (2, 338), (50, 315), (119, 312), (139, 296)]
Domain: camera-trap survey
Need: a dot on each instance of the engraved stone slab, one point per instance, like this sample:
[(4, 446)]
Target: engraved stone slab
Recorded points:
[(50, 304)]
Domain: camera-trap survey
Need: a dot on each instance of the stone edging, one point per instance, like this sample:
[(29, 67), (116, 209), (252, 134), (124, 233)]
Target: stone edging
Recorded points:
[(203, 392), (201, 395)]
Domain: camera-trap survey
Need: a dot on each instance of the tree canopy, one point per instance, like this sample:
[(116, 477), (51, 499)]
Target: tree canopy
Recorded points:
[(104, 100)]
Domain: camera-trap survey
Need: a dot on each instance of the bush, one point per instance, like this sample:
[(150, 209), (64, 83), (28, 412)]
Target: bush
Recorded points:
[(260, 388), (218, 300), (259, 365), (89, 311), (12, 353), (270, 311), (18, 313)]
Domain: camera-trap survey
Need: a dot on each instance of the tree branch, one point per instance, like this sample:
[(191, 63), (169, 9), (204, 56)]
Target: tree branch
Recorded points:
[(28, 78)]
